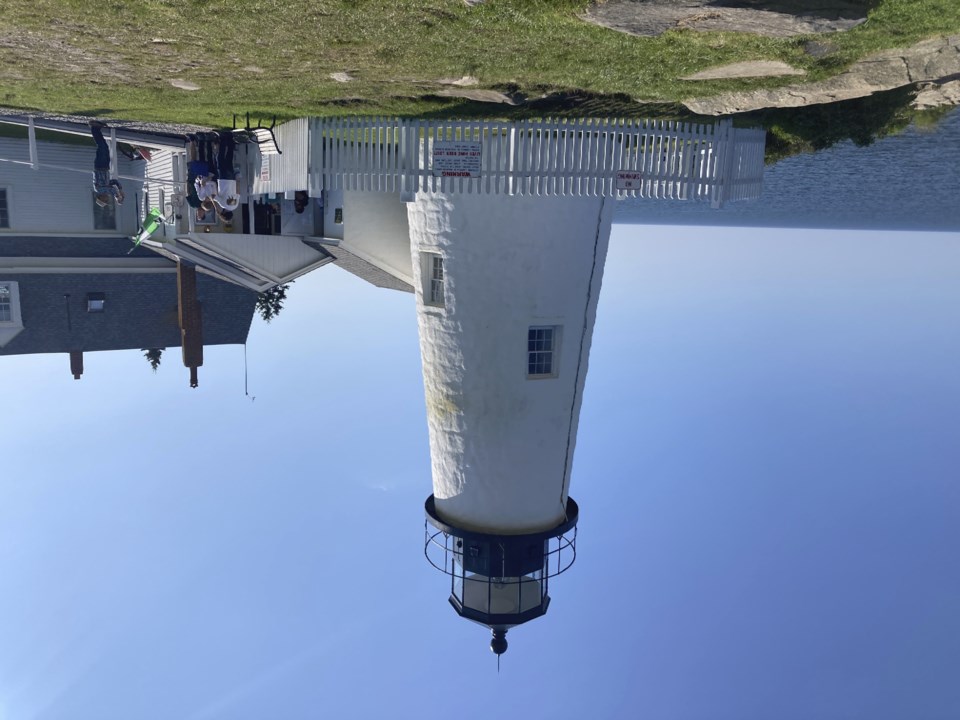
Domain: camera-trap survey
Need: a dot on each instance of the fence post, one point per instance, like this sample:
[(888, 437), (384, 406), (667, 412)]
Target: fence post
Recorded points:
[(114, 168), (32, 134), (724, 164)]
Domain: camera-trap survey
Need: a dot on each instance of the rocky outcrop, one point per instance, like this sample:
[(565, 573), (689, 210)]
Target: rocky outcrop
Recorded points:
[(748, 69), (773, 18), (928, 61), (934, 95), (487, 96)]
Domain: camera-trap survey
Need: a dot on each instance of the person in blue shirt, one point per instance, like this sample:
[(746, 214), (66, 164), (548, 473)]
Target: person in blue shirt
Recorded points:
[(103, 186), (201, 168)]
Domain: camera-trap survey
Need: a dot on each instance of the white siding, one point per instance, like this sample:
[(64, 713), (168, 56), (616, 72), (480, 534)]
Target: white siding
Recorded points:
[(332, 201), (287, 171), (375, 229), (161, 167), (59, 201), (276, 256)]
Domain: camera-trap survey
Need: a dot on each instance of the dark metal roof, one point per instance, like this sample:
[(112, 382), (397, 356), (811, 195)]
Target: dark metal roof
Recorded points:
[(140, 311), (140, 308), (362, 268), (88, 247)]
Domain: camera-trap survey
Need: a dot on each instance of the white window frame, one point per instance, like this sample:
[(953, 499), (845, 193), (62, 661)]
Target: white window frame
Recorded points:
[(7, 193), (543, 347), (434, 286), (16, 319), (96, 302)]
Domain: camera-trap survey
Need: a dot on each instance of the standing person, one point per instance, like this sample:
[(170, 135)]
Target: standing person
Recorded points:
[(205, 187), (301, 199), (103, 186), (199, 171), (227, 196)]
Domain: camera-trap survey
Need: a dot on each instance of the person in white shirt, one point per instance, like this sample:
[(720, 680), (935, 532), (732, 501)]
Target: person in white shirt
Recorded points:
[(227, 196), (206, 188)]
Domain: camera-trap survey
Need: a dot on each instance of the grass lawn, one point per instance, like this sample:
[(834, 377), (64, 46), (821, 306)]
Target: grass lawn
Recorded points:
[(116, 58)]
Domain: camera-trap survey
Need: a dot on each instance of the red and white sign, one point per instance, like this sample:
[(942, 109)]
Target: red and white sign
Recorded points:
[(629, 180), (452, 158)]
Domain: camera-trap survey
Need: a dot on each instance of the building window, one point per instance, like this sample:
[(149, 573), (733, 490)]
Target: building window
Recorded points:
[(542, 342), (104, 218), (4, 209), (96, 302), (6, 303), (433, 279), (9, 305), (436, 280)]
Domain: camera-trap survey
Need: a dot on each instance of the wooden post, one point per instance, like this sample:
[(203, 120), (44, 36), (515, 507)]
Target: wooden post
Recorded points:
[(76, 363), (191, 328)]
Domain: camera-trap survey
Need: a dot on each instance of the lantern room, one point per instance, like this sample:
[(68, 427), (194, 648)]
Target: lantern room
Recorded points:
[(500, 581)]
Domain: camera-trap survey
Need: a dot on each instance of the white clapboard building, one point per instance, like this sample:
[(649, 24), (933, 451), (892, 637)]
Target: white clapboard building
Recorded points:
[(46, 191), (49, 201)]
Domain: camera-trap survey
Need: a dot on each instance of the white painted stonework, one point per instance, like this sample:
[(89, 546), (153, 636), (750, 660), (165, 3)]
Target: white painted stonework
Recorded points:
[(502, 444)]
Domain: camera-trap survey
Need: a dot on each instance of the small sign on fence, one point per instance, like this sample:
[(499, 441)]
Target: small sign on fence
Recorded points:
[(629, 180), (453, 158)]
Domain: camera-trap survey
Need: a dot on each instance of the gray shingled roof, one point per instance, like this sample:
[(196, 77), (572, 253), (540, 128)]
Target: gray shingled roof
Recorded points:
[(362, 269), (140, 312), (91, 247), (140, 309)]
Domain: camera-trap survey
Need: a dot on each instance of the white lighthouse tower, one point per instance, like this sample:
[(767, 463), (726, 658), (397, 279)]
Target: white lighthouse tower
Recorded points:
[(506, 311), (501, 231)]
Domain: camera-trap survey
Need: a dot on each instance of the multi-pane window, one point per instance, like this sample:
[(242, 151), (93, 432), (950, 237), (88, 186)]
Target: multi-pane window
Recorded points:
[(436, 280), (433, 275), (4, 209), (6, 303), (541, 347)]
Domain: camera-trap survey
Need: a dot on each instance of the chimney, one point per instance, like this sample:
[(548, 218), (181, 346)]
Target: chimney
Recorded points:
[(191, 330), (76, 364)]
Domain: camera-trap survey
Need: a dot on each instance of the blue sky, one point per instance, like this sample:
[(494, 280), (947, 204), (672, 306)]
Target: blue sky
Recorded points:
[(766, 470)]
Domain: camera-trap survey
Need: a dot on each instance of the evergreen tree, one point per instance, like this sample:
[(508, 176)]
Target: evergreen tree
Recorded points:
[(153, 357), (270, 303)]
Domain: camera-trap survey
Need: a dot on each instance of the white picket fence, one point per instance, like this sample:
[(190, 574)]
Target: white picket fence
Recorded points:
[(591, 157), (285, 172)]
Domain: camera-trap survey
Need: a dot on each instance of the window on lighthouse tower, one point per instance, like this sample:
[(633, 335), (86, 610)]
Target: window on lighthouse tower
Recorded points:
[(433, 279), (541, 346)]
